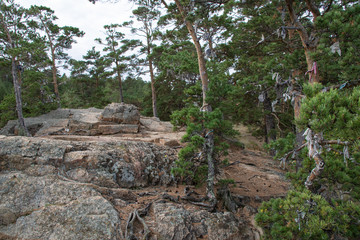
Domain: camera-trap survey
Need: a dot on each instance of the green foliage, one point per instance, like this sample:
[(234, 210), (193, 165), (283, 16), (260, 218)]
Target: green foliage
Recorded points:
[(303, 215), (282, 145), (335, 113), (192, 162), (7, 109), (334, 212), (226, 182), (340, 26)]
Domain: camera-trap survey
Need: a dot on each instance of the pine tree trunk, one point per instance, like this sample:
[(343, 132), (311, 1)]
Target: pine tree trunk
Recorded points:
[(209, 141), (153, 93), (18, 100), (17, 88), (55, 83), (270, 125), (119, 81), (309, 46), (54, 69)]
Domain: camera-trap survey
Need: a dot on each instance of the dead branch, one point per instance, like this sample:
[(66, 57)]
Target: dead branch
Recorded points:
[(169, 197), (193, 199), (342, 85), (209, 207)]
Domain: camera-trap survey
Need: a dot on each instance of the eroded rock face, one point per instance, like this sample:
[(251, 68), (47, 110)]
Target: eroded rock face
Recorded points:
[(38, 205), (121, 113), (115, 118), (56, 189), (175, 222), (109, 164), (154, 124)]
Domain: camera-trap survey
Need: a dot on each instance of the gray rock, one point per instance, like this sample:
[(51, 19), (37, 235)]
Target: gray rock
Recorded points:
[(119, 128), (109, 164), (46, 207), (121, 113), (175, 222), (58, 121), (154, 124)]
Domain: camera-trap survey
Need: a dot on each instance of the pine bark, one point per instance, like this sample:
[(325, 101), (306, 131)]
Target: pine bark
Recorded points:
[(270, 125), (118, 76), (309, 44), (53, 66), (17, 87), (209, 139), (152, 78), (54, 76)]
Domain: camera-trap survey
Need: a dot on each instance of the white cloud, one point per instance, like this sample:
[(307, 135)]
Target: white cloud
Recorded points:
[(86, 16)]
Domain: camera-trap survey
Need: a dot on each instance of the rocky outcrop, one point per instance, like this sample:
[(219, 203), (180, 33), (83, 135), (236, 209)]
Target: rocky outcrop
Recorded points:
[(115, 118), (108, 164), (59, 185), (53, 189), (57, 121), (56, 189)]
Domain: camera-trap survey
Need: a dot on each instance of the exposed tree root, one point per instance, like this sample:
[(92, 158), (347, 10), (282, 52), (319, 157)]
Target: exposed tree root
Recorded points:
[(135, 215)]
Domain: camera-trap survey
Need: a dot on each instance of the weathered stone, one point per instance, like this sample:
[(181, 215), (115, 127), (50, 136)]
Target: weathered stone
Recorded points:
[(121, 113), (154, 124), (175, 222), (118, 128), (108, 164), (60, 121), (170, 143), (7, 216), (48, 208)]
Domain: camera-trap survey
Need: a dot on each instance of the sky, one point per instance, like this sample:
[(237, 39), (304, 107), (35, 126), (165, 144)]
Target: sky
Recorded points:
[(88, 17)]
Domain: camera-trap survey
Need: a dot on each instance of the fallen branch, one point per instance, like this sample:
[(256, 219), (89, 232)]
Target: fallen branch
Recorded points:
[(193, 199), (171, 198), (209, 207)]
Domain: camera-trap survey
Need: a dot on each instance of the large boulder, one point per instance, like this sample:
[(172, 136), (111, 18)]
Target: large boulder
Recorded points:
[(38, 205), (121, 113), (154, 124)]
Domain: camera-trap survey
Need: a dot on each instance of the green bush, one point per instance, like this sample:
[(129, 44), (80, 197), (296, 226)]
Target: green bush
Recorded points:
[(192, 164), (303, 215), (332, 208)]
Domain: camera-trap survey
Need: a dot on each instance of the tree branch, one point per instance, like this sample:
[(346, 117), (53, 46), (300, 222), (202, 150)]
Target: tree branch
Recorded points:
[(313, 8)]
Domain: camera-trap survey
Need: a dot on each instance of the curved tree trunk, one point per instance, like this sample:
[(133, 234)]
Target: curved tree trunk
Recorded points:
[(17, 87), (54, 76), (209, 139), (53, 67), (309, 45)]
